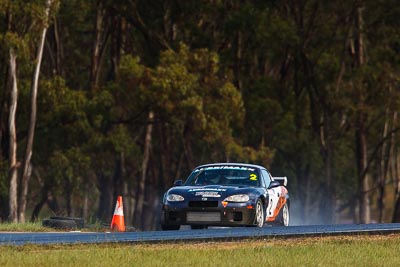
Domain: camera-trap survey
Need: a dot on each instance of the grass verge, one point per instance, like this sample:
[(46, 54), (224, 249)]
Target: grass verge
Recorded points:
[(24, 227), (38, 227), (325, 251)]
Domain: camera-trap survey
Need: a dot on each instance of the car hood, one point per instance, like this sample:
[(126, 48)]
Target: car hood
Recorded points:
[(216, 191)]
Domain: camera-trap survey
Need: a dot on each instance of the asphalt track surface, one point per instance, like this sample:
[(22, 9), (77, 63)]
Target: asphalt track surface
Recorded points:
[(220, 234)]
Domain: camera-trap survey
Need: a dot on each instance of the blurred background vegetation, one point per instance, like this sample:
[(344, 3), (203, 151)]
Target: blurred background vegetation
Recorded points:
[(134, 94)]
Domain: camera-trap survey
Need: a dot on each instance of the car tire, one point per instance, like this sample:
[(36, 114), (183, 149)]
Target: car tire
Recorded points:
[(166, 227), (284, 216), (60, 224), (80, 222), (259, 219)]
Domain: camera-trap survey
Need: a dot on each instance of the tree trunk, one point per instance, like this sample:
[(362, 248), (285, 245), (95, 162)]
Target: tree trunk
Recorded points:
[(38, 207), (68, 190), (178, 174), (142, 182), (52, 203), (119, 175), (98, 47), (104, 212), (328, 204), (13, 171), (59, 50), (238, 61), (44, 190), (396, 210), (187, 147), (117, 34), (304, 192), (26, 173), (166, 177), (383, 168), (361, 124), (85, 207), (395, 173), (56, 51), (362, 162)]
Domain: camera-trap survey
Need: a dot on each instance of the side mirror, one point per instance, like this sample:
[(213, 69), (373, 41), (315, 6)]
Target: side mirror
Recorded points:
[(274, 184), (178, 183)]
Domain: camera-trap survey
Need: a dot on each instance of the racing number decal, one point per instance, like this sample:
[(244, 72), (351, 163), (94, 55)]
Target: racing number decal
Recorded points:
[(270, 207), (253, 177), (273, 203), (277, 198)]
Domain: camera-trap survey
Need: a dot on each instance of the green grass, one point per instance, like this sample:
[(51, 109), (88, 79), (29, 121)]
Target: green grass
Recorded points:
[(37, 227), (326, 251), (23, 227)]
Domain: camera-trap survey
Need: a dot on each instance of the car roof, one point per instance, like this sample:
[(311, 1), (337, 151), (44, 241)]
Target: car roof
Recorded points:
[(231, 164)]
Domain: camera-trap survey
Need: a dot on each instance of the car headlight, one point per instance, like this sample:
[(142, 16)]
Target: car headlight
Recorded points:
[(237, 198), (175, 197)]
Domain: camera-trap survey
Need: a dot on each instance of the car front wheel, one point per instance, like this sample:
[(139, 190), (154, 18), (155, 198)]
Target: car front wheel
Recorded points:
[(260, 215)]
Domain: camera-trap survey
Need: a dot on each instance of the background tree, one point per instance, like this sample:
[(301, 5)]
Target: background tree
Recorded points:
[(134, 94)]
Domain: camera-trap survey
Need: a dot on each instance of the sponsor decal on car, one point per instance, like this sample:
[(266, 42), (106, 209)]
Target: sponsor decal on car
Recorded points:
[(207, 194), (207, 189), (225, 168)]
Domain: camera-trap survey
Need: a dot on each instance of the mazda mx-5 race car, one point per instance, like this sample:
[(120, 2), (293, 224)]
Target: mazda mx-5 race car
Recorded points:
[(226, 194)]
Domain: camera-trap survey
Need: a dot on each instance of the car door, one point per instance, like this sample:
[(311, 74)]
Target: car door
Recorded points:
[(274, 194)]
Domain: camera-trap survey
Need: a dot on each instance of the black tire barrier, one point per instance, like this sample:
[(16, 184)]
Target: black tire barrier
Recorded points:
[(80, 222), (60, 224)]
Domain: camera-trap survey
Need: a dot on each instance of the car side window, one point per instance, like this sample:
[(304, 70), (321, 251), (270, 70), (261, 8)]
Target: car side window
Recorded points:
[(267, 178)]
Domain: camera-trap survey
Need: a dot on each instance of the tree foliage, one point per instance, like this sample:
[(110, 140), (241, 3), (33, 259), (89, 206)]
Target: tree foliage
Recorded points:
[(291, 85)]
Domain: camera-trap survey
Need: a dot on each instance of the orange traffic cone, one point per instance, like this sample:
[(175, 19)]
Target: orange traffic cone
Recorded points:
[(118, 222)]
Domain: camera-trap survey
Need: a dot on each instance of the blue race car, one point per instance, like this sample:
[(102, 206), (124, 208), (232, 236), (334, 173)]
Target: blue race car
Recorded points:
[(226, 194)]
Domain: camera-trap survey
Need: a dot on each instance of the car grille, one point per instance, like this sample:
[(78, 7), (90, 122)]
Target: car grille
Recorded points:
[(203, 204), (203, 216)]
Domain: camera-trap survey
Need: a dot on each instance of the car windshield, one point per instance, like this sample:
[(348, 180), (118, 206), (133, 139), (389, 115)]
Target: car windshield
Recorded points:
[(224, 175)]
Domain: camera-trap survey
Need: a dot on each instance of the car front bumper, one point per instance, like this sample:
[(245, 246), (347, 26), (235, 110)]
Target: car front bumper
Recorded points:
[(233, 214)]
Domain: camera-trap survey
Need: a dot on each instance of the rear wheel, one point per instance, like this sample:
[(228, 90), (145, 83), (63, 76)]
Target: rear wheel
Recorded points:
[(283, 217), (260, 214)]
